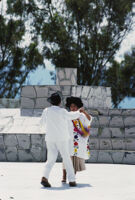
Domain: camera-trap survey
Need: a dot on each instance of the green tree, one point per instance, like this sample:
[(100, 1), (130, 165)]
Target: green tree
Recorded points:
[(74, 33), (86, 34), (16, 60), (121, 78)]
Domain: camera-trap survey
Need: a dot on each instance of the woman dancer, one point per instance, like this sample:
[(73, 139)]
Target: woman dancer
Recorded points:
[(79, 130)]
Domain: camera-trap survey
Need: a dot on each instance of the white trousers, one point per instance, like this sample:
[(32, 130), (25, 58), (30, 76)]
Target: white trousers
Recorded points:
[(52, 152)]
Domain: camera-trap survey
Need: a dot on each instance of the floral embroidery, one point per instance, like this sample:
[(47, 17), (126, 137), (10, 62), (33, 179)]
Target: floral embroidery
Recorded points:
[(75, 143), (83, 131), (77, 137)]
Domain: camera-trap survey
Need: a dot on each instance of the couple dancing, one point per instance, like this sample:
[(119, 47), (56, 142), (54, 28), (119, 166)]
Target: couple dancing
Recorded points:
[(67, 133)]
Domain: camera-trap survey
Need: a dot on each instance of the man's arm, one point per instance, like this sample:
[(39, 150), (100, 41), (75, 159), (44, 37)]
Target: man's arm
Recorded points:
[(71, 115)]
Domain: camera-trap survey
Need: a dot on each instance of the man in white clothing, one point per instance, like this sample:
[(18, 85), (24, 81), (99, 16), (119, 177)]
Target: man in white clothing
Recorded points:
[(55, 122)]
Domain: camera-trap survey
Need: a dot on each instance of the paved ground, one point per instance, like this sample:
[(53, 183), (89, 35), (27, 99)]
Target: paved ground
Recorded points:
[(21, 181)]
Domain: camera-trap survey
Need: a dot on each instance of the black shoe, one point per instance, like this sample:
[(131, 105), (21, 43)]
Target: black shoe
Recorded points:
[(45, 182), (72, 184)]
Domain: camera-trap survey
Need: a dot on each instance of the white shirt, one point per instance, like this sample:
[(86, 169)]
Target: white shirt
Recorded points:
[(54, 120)]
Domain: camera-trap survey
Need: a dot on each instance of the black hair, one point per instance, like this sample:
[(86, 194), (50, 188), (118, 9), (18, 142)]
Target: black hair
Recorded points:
[(75, 100), (54, 99)]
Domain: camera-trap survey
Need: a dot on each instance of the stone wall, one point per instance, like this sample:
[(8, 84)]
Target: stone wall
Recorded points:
[(22, 147), (66, 76), (112, 138), (34, 98), (9, 103)]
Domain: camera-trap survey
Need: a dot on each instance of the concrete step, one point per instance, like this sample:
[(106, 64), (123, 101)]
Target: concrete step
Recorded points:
[(109, 156), (112, 156), (97, 143)]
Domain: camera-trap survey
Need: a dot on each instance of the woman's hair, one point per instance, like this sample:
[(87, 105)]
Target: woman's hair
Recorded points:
[(75, 100)]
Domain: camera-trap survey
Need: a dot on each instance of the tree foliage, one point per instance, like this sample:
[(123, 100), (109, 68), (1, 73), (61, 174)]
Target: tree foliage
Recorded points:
[(121, 78), (86, 34), (16, 60), (73, 33)]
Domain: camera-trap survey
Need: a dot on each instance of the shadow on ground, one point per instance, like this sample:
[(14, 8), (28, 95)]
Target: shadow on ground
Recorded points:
[(67, 187)]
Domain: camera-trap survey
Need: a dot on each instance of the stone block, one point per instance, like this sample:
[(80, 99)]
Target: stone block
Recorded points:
[(94, 143), (25, 155), (108, 91), (44, 150), (104, 120), (101, 103), (102, 111), (9, 103), (73, 80), (95, 122), (130, 132), (105, 157), (42, 91), (27, 103), (68, 72), (65, 82), (36, 140), (91, 93), (115, 112), (66, 76), (93, 102), (14, 103), (78, 91), (85, 103), (41, 103), (26, 112), (11, 154), (105, 144), (97, 91), (129, 157), (108, 102), (73, 90), (116, 121), (66, 90), (38, 112), (85, 92), (93, 132), (1, 142), (130, 143), (93, 112), (93, 156), (2, 154), (36, 152), (10, 140), (129, 112), (117, 156), (104, 132), (52, 89), (23, 141), (118, 144), (28, 91), (129, 121), (117, 132), (61, 74)]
